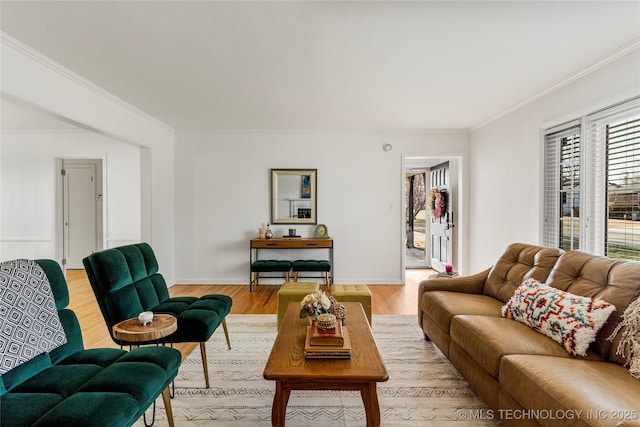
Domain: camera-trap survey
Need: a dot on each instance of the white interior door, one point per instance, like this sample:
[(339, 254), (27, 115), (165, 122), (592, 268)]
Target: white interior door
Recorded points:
[(440, 233), (82, 210)]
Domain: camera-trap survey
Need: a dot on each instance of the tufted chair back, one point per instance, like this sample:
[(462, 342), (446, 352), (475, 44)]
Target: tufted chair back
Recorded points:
[(614, 281), (519, 262), (125, 281)]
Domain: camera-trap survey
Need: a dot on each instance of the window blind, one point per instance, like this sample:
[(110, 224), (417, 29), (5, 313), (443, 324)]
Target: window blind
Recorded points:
[(611, 199), (561, 228)]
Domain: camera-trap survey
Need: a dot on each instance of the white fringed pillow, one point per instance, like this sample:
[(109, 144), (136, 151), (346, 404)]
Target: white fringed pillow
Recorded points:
[(571, 320), (629, 345)]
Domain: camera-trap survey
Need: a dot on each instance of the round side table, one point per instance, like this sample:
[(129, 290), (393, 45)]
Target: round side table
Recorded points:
[(135, 333)]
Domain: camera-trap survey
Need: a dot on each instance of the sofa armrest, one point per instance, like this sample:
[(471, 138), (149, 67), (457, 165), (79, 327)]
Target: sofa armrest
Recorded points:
[(473, 284)]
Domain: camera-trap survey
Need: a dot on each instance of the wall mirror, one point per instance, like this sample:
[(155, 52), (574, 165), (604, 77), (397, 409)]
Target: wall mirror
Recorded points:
[(293, 196)]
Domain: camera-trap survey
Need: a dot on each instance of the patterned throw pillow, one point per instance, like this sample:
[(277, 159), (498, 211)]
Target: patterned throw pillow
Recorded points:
[(568, 319)]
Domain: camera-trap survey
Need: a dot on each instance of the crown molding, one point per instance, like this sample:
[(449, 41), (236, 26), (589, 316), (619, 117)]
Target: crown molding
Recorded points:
[(612, 56), (376, 132), (58, 68), (45, 131)]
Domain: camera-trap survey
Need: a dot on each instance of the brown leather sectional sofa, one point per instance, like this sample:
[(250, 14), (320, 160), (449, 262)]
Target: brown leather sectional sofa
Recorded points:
[(526, 378)]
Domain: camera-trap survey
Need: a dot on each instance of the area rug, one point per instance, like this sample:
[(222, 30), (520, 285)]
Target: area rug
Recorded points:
[(423, 388)]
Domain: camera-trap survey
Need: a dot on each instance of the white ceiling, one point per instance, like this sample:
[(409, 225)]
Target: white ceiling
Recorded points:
[(368, 65)]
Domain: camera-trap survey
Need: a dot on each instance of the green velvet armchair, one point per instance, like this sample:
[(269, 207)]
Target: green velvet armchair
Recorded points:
[(126, 282)]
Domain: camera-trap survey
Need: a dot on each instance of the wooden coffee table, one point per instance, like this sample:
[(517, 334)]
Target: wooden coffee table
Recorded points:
[(292, 371)]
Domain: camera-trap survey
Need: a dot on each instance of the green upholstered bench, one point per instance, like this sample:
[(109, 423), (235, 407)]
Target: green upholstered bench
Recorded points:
[(292, 292), (268, 266), (322, 266), (71, 386), (354, 293)]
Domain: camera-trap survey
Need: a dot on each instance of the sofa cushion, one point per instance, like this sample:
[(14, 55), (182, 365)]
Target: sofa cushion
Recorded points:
[(32, 407), (570, 320), (107, 385), (599, 277), (519, 262), (604, 392), (104, 409), (441, 306), (197, 318), (61, 379), (487, 339), (485, 386)]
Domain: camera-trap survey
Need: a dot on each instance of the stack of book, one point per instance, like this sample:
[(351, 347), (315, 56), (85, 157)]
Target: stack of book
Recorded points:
[(327, 344), (445, 274)]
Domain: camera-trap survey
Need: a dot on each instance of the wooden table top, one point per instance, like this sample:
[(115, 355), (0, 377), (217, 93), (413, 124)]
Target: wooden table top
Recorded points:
[(287, 361), (131, 330), (292, 243)]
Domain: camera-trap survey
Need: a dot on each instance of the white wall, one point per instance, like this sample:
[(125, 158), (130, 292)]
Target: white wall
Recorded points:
[(36, 80), (223, 195), (506, 158), (30, 178)]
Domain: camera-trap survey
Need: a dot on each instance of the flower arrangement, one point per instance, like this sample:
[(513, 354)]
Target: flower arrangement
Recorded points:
[(314, 304), (436, 203)]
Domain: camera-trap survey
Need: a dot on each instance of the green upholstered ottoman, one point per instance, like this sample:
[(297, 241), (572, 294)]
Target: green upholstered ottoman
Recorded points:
[(293, 292), (354, 293)]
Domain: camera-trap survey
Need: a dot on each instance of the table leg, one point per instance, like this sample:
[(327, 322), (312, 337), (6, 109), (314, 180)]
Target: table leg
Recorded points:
[(371, 406), (279, 408)]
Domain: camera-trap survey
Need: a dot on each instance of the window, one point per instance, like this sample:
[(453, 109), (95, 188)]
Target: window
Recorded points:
[(562, 187), (592, 183)]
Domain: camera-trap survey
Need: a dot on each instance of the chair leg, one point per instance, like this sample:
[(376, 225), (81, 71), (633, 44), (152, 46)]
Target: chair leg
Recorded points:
[(167, 406), (226, 332), (203, 354), (286, 276)]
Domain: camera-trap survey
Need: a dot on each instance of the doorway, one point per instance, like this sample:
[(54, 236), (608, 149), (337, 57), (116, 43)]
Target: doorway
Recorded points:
[(430, 197), (82, 210), (415, 218)]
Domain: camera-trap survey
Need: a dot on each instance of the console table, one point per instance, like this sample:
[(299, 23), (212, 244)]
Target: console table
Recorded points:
[(291, 243)]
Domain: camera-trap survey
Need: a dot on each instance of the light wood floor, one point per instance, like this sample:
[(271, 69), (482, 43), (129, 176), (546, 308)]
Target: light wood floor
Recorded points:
[(386, 299)]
